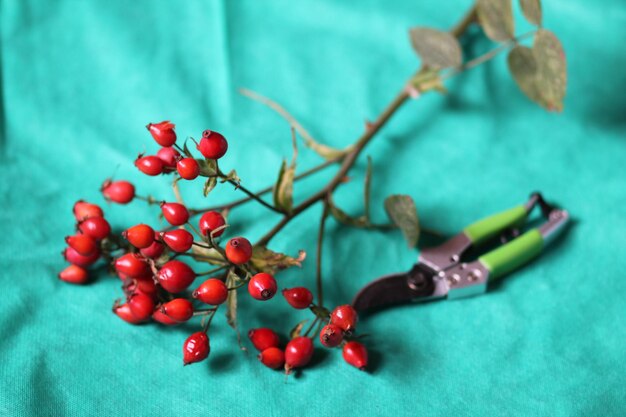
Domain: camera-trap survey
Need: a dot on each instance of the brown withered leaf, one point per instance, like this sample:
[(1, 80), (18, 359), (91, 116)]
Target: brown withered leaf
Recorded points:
[(266, 260), (496, 19), (436, 48), (532, 11)]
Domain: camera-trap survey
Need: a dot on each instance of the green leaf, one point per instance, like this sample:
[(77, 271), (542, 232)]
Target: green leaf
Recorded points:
[(283, 189), (231, 176), (532, 11), (403, 213), (266, 260), (209, 185), (541, 72), (211, 256), (552, 76), (342, 217), (496, 19), (427, 79), (231, 301), (320, 312), (208, 167), (297, 330), (436, 48)]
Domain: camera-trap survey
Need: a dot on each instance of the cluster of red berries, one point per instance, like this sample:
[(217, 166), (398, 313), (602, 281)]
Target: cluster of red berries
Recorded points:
[(156, 283), (299, 350)]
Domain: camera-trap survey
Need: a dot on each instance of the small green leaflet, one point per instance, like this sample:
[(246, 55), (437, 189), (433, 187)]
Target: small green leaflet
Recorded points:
[(496, 19), (436, 48), (283, 189)]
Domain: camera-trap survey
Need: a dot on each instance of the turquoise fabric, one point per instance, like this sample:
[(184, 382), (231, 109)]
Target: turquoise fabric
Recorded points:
[(80, 79)]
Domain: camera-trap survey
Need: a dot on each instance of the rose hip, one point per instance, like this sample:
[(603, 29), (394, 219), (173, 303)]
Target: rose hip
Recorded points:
[(149, 165), (262, 286), (212, 291), (84, 210), (299, 297), (176, 214), (188, 168), (141, 305), (272, 357), (298, 352), (178, 240), (355, 354), (83, 244), (345, 317), (76, 258), (96, 227), (263, 338), (331, 335), (212, 145), (123, 311), (175, 276), (140, 236), (74, 274), (238, 250), (178, 309), (160, 317), (155, 249), (163, 132), (210, 221), (168, 156), (121, 192), (196, 348), (132, 265)]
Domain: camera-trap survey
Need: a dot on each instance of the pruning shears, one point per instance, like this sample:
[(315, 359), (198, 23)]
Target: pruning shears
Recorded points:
[(441, 272)]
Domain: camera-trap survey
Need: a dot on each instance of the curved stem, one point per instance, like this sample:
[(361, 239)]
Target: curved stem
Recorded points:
[(250, 194), (320, 244)]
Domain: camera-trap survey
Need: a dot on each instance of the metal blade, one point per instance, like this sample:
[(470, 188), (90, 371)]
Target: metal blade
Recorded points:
[(395, 289)]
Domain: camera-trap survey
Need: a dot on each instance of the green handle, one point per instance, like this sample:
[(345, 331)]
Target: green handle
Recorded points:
[(514, 254), (490, 226)]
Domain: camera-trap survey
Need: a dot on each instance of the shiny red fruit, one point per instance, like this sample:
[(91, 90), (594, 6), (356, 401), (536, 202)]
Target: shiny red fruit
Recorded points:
[(132, 265), (121, 192), (162, 318), (299, 297), (163, 132), (141, 305), (140, 236), (96, 227), (210, 221), (263, 338), (355, 354), (238, 250), (273, 357), (123, 311), (345, 317), (178, 240), (176, 214), (212, 291), (83, 244), (175, 276), (299, 352), (188, 168), (84, 210), (74, 274), (212, 145), (178, 309), (149, 165), (142, 286), (262, 286), (169, 157), (76, 258), (331, 335), (155, 249), (196, 348)]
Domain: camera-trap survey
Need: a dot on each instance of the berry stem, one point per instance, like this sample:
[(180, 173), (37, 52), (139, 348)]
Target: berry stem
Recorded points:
[(320, 244), (249, 193), (311, 326)]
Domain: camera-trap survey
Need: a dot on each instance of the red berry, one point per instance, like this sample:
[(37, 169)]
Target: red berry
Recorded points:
[(84, 210), (331, 335), (196, 348), (163, 132), (149, 165), (96, 227), (76, 258), (142, 286), (298, 352), (345, 317), (298, 297), (132, 265), (175, 276), (168, 156), (141, 305), (272, 357), (212, 291), (262, 286), (140, 236), (178, 240), (212, 145), (238, 250), (210, 221), (263, 338), (188, 168), (179, 309), (74, 274), (160, 317), (155, 249), (83, 244), (355, 354), (121, 192), (123, 311), (176, 214)]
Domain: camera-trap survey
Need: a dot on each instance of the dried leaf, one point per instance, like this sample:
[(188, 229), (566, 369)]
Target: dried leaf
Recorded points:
[(532, 11), (552, 76), (343, 217), (211, 256), (231, 302), (209, 185), (283, 189), (208, 167), (297, 330), (231, 176), (436, 48), (541, 72), (496, 19), (266, 260), (402, 211)]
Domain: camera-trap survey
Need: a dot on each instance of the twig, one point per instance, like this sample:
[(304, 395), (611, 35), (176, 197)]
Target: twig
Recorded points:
[(320, 244)]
